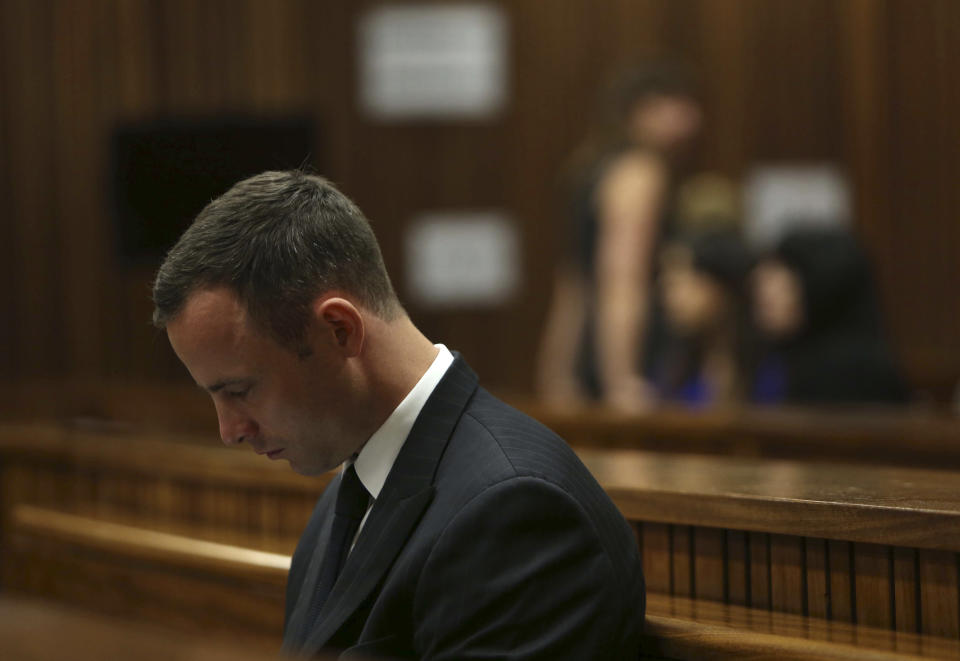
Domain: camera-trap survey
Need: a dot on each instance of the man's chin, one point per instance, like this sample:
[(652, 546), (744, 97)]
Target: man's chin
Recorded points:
[(308, 471)]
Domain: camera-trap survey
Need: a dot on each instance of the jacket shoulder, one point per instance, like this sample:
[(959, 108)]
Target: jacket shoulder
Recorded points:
[(494, 442), (530, 448)]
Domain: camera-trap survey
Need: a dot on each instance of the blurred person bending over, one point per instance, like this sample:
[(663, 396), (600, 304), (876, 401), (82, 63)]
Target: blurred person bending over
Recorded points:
[(814, 301), (708, 360), (598, 333), (458, 528)]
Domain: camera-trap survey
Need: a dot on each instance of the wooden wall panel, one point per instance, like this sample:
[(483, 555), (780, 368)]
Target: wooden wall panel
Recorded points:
[(787, 584), (874, 586), (29, 153), (760, 589), (818, 579), (842, 602), (709, 564), (911, 153), (656, 556), (8, 335), (939, 593), (885, 588), (905, 590), (737, 568), (866, 83), (682, 565)]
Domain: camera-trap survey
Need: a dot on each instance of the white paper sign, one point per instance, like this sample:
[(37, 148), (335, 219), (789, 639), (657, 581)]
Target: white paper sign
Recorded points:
[(433, 61), (780, 197), (462, 259)]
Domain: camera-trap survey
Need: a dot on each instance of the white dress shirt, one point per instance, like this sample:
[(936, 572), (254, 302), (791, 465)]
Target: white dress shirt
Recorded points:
[(375, 460)]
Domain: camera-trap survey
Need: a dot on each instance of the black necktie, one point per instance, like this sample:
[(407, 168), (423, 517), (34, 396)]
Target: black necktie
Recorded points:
[(352, 501)]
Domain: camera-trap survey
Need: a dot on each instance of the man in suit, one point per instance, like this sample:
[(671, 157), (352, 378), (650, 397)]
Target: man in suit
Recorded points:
[(458, 528)]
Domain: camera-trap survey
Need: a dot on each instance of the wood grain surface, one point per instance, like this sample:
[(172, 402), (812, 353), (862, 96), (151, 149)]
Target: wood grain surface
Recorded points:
[(36, 630), (897, 506), (781, 81), (873, 504), (681, 628), (149, 574), (818, 578), (866, 435), (856, 544), (167, 577), (939, 598)]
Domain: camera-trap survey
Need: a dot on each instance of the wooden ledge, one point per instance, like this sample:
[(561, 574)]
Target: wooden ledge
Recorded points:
[(680, 628), (156, 454), (910, 507), (151, 545), (899, 428), (43, 631), (677, 628)]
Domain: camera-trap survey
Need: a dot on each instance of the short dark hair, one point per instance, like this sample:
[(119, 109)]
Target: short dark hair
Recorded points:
[(278, 240), (642, 82)]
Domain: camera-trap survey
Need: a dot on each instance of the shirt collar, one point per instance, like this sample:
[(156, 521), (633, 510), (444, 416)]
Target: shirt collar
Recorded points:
[(375, 460)]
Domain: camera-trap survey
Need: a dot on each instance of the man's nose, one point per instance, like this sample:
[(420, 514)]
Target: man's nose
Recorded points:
[(235, 425)]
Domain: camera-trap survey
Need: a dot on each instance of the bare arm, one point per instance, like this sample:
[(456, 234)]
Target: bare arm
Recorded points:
[(630, 202), (556, 363)]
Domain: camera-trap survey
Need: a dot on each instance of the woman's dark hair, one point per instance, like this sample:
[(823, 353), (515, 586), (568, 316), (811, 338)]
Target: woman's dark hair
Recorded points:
[(639, 83), (724, 257), (627, 88), (841, 354), (836, 278)]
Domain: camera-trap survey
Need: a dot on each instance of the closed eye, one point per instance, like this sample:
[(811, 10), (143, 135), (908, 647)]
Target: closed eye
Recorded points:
[(233, 388)]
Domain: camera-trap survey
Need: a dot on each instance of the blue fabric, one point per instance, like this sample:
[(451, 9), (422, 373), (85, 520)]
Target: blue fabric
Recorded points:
[(770, 381), (769, 386)]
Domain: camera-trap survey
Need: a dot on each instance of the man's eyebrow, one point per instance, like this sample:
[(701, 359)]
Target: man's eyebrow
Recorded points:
[(220, 385)]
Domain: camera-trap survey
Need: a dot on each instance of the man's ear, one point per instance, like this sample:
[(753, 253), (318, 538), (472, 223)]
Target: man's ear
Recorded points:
[(340, 323)]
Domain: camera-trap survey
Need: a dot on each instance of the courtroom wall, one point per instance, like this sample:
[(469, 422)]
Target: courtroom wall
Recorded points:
[(868, 84)]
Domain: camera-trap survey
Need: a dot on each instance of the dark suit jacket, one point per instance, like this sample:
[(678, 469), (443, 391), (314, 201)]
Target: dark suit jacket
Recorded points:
[(490, 540)]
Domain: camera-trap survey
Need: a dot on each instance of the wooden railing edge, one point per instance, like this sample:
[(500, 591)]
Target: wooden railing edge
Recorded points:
[(667, 633), (151, 545), (680, 638)]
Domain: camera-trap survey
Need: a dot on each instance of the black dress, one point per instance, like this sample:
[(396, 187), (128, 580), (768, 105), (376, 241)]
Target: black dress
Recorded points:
[(840, 356), (584, 234)]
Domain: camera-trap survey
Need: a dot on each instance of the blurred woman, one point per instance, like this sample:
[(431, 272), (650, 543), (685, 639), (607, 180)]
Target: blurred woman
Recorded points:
[(709, 360), (621, 183), (814, 300)]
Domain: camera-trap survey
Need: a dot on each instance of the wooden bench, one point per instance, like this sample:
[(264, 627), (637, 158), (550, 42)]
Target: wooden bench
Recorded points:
[(867, 545), (840, 545), (43, 631), (156, 476), (75, 552), (897, 436), (900, 437), (189, 582), (681, 628)]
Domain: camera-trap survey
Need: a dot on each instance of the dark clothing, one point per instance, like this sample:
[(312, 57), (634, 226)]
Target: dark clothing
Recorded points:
[(840, 355), (582, 252), (490, 539), (843, 369), (722, 258)]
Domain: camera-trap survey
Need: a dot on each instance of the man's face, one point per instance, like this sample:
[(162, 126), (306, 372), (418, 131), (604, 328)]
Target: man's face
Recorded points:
[(282, 405)]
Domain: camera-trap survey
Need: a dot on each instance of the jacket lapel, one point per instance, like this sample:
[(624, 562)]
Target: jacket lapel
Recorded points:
[(297, 628), (406, 494)]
